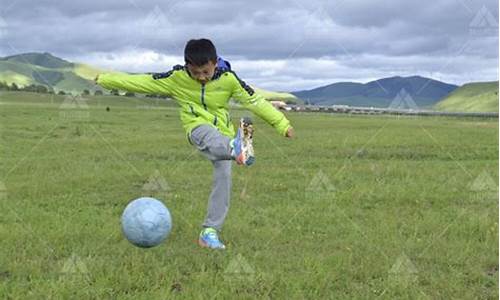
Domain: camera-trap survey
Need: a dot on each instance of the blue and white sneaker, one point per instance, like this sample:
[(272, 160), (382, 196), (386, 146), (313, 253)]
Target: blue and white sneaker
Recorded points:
[(210, 239), (242, 145)]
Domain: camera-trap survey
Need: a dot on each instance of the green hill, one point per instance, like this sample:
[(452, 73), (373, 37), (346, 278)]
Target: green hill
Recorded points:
[(48, 70), (472, 97), (59, 74), (45, 60)]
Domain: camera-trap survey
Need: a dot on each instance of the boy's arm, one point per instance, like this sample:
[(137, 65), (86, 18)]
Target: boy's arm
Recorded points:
[(257, 104), (141, 83)]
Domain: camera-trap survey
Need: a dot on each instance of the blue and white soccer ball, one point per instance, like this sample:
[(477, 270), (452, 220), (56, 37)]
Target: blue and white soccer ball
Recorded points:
[(146, 222)]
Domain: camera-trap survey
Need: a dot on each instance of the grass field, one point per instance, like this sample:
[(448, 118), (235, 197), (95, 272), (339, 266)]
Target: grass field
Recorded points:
[(356, 207)]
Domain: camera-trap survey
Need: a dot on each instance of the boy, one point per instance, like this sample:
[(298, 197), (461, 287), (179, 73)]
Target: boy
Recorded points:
[(202, 88)]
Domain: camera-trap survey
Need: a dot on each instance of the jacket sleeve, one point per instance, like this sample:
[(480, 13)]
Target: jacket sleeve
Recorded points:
[(140, 83), (257, 104)]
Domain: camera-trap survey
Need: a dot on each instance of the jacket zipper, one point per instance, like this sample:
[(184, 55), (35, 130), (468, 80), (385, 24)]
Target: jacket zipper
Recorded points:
[(206, 108), (203, 96), (203, 102)]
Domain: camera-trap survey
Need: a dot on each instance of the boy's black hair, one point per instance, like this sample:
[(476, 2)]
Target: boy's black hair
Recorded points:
[(200, 52)]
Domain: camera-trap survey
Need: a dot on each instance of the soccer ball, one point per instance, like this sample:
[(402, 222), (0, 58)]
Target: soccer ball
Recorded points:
[(146, 222)]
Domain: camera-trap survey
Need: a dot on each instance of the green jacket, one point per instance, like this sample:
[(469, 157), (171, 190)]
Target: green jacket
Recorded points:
[(200, 103)]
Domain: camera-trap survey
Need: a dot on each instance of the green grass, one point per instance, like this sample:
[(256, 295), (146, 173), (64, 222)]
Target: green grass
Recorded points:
[(472, 97), (404, 215)]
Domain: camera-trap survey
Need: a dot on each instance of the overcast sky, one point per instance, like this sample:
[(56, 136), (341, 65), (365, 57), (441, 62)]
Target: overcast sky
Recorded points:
[(280, 45)]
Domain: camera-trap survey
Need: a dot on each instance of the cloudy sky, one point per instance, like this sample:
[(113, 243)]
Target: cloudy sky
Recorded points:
[(280, 45)]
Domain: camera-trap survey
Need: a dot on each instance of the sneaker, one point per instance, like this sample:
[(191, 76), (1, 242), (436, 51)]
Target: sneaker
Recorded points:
[(242, 144), (210, 239)]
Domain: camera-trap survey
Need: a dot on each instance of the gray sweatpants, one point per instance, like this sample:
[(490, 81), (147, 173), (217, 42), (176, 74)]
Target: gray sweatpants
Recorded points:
[(215, 146)]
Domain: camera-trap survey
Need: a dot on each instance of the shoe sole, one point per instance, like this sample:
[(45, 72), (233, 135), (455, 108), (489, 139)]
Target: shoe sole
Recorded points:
[(246, 126)]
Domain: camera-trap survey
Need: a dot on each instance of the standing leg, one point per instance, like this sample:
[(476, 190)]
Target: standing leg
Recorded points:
[(215, 146), (218, 204)]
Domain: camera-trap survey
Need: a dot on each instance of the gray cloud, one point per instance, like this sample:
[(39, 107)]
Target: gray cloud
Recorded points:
[(358, 40)]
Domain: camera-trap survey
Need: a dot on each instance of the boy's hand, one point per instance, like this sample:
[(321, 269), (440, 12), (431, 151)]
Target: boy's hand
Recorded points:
[(290, 133)]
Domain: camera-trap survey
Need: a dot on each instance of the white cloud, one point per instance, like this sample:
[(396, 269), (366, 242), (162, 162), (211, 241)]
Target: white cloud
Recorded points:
[(134, 61)]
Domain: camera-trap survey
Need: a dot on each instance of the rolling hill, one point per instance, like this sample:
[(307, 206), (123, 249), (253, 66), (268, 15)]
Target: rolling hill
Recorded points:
[(59, 74), (425, 92), (48, 70), (472, 97)]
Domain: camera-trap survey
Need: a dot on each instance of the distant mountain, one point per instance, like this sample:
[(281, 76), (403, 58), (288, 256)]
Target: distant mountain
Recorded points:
[(424, 92), (59, 74), (472, 97), (45, 60)]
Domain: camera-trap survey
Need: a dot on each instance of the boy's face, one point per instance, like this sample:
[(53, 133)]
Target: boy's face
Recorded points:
[(202, 73)]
